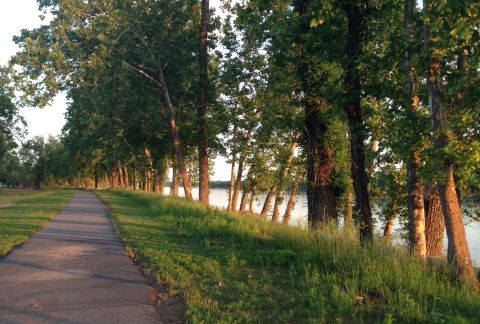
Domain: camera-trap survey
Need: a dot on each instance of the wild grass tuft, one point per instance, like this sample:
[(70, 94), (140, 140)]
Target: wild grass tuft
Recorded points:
[(242, 269)]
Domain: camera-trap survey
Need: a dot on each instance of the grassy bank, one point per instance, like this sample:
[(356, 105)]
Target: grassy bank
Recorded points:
[(246, 270), (26, 212)]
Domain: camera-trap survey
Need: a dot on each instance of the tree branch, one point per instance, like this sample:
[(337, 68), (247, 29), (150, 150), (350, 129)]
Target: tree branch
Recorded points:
[(145, 74)]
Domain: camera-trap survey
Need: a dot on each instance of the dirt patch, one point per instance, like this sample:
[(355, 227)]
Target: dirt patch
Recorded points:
[(171, 310)]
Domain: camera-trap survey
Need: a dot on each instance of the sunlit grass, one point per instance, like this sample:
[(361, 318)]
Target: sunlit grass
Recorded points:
[(241, 269), (29, 212)]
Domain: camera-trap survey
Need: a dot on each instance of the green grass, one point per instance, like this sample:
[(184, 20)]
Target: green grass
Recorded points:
[(241, 269), (30, 212)]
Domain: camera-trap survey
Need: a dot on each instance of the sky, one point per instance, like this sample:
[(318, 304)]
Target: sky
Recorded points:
[(16, 15)]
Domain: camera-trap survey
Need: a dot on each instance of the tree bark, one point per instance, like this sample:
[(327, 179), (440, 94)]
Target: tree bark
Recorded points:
[(247, 190), (120, 175), (107, 182), (135, 184), (291, 201), (252, 200), (416, 208), (238, 182), (148, 180), (356, 15), (156, 181), (388, 232), (458, 245), (320, 163), (434, 223), (268, 201), (202, 108), (244, 200), (241, 162), (125, 175), (114, 178), (175, 184), (231, 187), (187, 184), (281, 188), (276, 205), (148, 171)]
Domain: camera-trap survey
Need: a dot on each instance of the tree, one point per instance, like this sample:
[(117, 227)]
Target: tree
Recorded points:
[(459, 254), (202, 108), (356, 13), (416, 208), (76, 43)]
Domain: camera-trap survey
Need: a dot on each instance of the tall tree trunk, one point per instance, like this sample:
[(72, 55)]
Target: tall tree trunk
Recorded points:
[(458, 245), (120, 175), (106, 182), (125, 176), (243, 202), (388, 232), (416, 208), (355, 18), (187, 184), (114, 178), (202, 108), (238, 182), (148, 180), (434, 223), (241, 162), (97, 182), (268, 201), (252, 200), (231, 187), (276, 205), (156, 181), (393, 209), (291, 201), (283, 177), (148, 171), (320, 163), (247, 190), (135, 187), (174, 190)]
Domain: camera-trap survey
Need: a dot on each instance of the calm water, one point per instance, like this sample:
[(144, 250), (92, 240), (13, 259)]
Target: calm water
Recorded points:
[(219, 198)]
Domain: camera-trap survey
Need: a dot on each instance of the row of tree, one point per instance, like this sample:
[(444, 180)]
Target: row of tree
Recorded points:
[(362, 99)]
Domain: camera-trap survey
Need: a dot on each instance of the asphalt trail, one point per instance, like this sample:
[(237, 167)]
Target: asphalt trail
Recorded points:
[(74, 271)]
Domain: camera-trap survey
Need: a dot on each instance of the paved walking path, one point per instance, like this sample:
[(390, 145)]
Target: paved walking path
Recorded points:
[(74, 271)]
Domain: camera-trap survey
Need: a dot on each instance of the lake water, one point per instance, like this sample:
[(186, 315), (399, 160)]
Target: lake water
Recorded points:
[(219, 198)]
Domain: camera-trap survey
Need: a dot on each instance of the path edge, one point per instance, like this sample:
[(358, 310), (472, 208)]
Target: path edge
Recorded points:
[(164, 302)]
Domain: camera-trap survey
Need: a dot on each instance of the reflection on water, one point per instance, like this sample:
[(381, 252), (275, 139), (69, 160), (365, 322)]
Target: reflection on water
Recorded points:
[(219, 198)]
